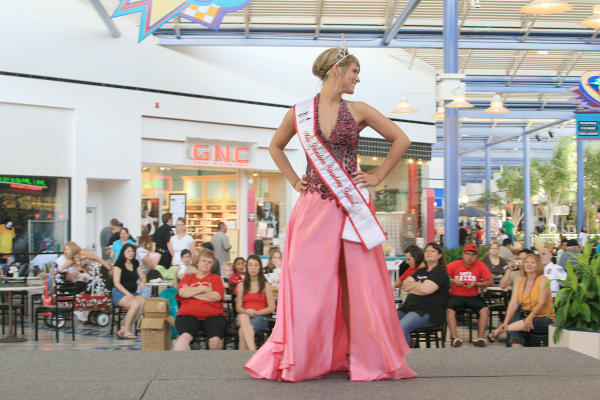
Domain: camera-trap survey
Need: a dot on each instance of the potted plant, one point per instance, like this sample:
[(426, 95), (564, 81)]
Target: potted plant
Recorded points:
[(577, 306)]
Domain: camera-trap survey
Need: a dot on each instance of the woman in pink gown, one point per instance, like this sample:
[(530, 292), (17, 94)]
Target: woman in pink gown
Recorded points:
[(335, 309)]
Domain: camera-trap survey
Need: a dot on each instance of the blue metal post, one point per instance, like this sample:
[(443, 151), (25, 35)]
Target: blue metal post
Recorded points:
[(451, 129), (526, 192), (580, 186), (488, 177)]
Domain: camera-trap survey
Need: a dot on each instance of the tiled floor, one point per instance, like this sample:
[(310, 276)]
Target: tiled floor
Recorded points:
[(96, 338)]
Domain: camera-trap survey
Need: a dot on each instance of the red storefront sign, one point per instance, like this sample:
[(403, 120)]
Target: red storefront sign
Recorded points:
[(220, 155)]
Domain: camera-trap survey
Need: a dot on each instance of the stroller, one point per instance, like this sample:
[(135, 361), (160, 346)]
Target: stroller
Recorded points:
[(94, 297)]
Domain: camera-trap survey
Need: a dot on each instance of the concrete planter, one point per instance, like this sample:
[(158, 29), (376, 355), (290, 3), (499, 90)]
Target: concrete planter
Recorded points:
[(584, 342)]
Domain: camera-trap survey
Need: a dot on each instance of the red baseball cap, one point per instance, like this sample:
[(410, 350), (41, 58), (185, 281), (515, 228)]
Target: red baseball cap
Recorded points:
[(471, 247)]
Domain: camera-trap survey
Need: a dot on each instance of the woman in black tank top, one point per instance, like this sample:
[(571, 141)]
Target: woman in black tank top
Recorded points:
[(125, 292)]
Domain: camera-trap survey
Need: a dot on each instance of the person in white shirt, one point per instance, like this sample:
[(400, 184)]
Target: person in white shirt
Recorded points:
[(553, 272), (583, 237), (180, 241)]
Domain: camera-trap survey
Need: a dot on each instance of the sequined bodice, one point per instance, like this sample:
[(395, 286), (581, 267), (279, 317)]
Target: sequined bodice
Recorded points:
[(343, 143)]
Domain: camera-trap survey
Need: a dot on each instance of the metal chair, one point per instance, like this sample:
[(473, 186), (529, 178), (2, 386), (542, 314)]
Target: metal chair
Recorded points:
[(61, 312)]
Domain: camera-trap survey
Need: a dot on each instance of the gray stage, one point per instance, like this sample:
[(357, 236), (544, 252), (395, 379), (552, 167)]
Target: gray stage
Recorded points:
[(465, 374)]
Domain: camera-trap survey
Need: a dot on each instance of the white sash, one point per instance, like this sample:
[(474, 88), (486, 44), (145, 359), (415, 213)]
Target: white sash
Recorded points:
[(360, 224)]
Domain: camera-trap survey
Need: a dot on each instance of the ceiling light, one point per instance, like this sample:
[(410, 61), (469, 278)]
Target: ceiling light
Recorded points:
[(537, 137), (403, 107), (460, 100), (543, 52), (420, 162), (410, 161), (439, 112), (496, 106), (546, 7), (551, 134), (374, 158), (594, 21)]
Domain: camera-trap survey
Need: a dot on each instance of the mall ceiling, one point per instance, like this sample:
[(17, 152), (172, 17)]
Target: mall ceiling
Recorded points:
[(530, 61)]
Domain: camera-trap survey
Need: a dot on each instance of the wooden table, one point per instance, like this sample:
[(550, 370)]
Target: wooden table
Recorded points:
[(156, 285), (10, 288)]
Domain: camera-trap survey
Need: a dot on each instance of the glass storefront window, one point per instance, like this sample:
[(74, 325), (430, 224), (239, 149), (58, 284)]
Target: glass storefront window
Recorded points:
[(211, 197), (38, 208)]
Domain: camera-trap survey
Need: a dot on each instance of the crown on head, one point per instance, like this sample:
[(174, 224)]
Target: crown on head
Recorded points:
[(342, 53)]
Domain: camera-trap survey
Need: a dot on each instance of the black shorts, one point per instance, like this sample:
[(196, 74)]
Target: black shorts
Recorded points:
[(211, 326), (460, 303)]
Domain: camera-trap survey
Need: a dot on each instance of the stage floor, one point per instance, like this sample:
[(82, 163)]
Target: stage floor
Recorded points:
[(466, 373)]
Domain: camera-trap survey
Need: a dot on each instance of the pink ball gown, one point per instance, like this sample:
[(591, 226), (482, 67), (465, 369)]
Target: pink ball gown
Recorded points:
[(311, 337)]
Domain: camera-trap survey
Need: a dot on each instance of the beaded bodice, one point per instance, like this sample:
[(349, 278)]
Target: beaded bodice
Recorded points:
[(343, 143)]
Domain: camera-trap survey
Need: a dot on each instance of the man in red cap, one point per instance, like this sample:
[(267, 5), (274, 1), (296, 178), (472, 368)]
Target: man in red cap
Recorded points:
[(466, 277)]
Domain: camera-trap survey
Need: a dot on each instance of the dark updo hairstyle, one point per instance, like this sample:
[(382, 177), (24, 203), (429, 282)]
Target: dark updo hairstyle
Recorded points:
[(261, 275), (438, 248), (327, 59)]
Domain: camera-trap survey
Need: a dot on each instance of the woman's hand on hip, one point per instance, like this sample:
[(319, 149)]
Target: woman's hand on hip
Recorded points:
[(300, 185), (365, 180)]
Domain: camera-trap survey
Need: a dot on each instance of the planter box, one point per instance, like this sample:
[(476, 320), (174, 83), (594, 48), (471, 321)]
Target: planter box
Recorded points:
[(584, 342)]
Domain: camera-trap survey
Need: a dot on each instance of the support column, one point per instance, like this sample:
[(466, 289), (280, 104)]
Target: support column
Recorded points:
[(488, 177), (413, 183), (527, 210), (451, 129), (580, 187)]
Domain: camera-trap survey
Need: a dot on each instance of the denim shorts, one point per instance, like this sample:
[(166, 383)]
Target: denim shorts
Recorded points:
[(540, 327), (259, 323), (117, 295)]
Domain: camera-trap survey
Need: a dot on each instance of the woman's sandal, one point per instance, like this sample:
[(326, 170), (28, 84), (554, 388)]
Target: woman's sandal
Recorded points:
[(491, 338), (125, 337)]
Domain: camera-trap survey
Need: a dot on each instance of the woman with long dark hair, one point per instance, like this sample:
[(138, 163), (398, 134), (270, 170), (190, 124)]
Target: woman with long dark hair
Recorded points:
[(126, 273), (428, 290), (253, 303)]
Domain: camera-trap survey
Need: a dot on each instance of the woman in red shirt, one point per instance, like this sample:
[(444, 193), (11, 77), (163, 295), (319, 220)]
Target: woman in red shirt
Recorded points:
[(239, 267), (200, 297), (253, 302), (414, 259)]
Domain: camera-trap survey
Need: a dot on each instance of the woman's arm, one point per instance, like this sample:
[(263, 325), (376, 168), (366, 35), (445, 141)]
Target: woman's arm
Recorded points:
[(170, 247), (210, 296), (506, 280), (142, 277), (239, 301), (369, 116), (188, 291), (425, 288), (92, 256), (281, 138), (117, 282), (270, 302)]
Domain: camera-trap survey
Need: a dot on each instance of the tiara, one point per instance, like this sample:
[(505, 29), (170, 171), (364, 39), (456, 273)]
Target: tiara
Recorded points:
[(342, 53)]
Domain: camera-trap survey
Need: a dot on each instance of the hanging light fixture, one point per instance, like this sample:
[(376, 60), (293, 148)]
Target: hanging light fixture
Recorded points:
[(546, 7), (460, 100), (403, 107), (594, 21), (496, 106), (439, 111)]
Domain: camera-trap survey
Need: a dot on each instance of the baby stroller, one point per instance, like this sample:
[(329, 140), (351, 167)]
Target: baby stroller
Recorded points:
[(94, 297)]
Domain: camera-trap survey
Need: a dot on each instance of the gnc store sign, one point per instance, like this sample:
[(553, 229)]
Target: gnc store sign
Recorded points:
[(220, 153)]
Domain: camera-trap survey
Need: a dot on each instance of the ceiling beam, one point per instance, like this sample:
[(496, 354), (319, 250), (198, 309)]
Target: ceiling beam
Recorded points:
[(553, 115), (389, 35), (303, 37), (112, 28)]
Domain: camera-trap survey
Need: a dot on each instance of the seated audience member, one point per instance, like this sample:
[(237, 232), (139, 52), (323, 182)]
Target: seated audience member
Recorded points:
[(143, 254), (239, 268), (125, 292), (200, 297), (227, 273), (186, 267), (274, 263), (467, 276), (493, 261), (553, 272), (506, 250), (217, 266), (514, 272), (561, 248), (428, 289), (117, 245), (69, 265), (414, 260), (530, 305), (573, 250), (254, 301)]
